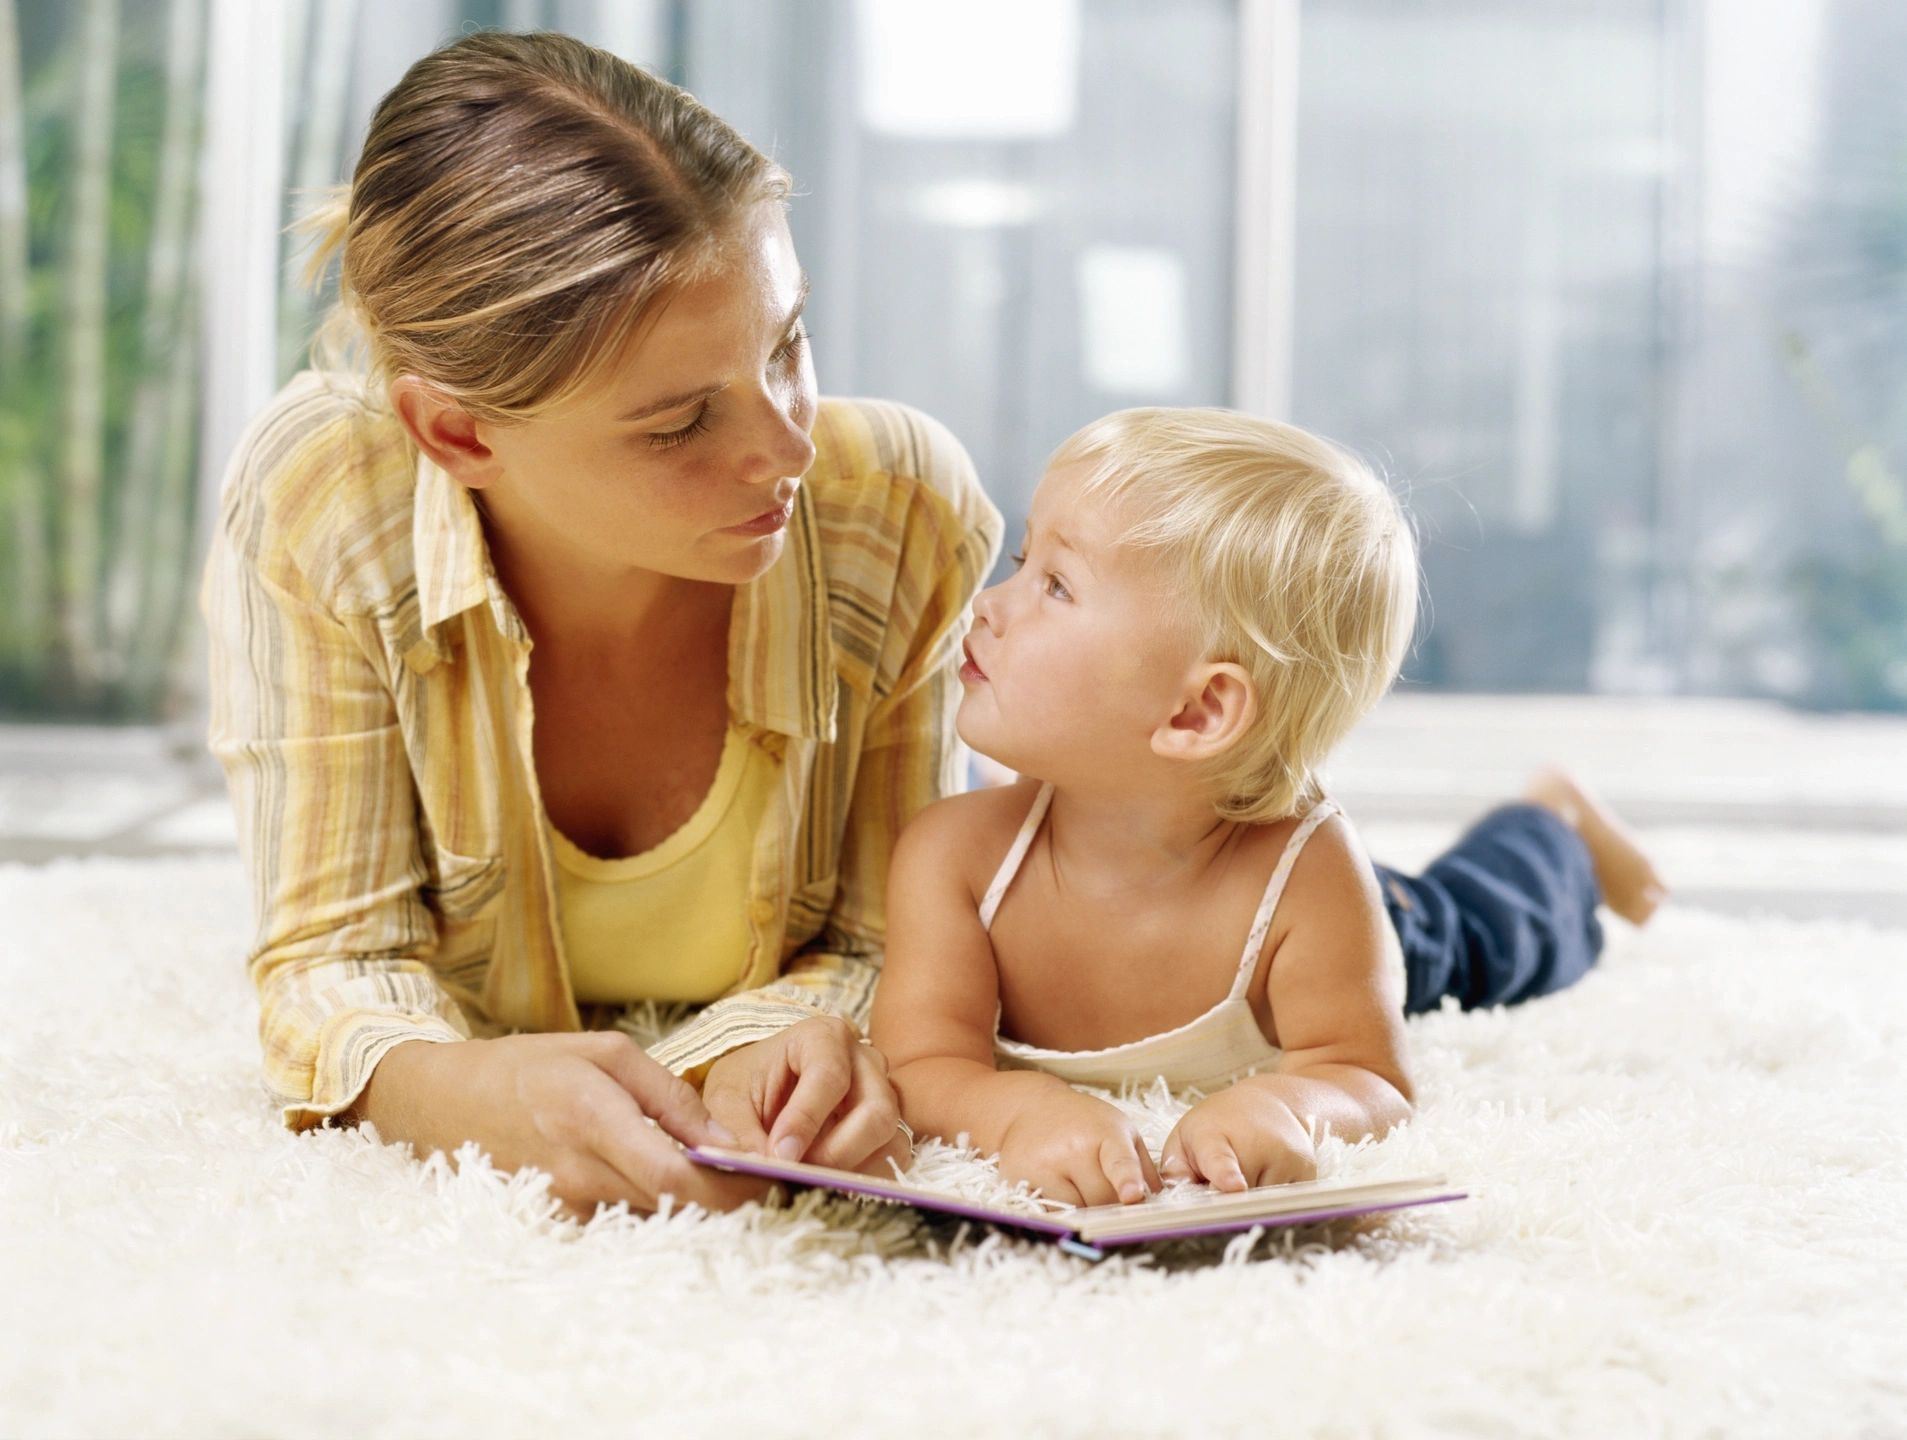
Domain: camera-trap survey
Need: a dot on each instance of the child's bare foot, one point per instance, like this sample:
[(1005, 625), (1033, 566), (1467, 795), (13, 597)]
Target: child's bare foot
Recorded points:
[(1630, 886)]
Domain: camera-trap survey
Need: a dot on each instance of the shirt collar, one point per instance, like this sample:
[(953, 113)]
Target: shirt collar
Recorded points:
[(453, 562), (780, 653)]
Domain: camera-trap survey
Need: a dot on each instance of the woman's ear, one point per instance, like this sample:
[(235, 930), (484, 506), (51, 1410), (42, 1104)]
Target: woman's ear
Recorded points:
[(444, 431), (1218, 703)]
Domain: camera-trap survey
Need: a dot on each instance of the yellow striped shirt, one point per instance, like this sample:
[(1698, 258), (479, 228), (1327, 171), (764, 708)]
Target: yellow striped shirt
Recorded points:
[(371, 707)]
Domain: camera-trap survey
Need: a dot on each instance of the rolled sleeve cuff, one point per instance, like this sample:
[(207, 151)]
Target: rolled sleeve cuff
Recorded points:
[(349, 1047)]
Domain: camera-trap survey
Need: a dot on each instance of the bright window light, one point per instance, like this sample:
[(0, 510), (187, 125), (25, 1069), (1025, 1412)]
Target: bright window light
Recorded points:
[(984, 69), (1133, 320)]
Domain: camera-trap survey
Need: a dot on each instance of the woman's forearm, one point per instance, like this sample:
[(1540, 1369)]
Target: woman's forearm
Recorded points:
[(948, 1096)]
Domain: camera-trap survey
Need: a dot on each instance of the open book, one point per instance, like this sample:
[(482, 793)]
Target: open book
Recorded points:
[(1093, 1229)]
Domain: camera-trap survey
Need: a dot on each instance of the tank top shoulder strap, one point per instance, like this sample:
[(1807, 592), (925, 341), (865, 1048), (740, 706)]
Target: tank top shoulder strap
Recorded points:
[(1275, 889), (1009, 867)]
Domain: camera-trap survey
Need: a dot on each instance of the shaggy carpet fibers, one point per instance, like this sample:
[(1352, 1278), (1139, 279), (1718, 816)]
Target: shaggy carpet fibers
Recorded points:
[(1690, 1220)]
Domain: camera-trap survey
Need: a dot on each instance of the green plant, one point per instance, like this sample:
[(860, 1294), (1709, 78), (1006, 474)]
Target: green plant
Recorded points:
[(99, 140)]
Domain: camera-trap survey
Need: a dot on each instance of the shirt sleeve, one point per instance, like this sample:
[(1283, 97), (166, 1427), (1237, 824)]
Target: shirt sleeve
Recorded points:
[(303, 722), (910, 756)]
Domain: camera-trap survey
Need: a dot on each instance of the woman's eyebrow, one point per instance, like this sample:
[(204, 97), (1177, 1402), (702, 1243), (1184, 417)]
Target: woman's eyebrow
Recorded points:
[(671, 402), (794, 312)]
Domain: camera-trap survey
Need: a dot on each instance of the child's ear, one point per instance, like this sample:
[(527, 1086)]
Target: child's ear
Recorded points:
[(444, 431), (1218, 703)]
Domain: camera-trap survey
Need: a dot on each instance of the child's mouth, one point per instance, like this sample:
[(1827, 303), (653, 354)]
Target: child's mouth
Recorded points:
[(971, 671)]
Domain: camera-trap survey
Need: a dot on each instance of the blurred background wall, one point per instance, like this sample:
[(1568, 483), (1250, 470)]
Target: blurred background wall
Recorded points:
[(1615, 290)]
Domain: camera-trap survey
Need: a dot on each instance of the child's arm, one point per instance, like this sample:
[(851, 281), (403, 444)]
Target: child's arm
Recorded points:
[(1333, 990), (935, 1012)]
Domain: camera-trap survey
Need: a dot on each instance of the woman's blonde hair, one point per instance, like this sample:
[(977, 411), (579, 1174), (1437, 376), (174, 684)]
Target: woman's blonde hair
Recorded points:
[(1287, 557), (519, 201)]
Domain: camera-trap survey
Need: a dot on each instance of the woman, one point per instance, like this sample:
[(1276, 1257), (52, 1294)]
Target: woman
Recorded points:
[(573, 654)]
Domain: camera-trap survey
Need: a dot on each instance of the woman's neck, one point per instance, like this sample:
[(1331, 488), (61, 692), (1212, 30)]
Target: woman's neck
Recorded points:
[(584, 609)]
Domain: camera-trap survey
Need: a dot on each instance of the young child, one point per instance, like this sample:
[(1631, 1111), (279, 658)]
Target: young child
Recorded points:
[(1206, 604)]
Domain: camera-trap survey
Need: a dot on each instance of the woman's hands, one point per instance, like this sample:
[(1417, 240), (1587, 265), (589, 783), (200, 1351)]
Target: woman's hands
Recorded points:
[(813, 1092), (580, 1106), (1076, 1148), (1241, 1137)]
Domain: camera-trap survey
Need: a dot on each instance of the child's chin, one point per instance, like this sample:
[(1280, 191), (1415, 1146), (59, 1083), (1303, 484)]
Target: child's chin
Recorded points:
[(980, 743)]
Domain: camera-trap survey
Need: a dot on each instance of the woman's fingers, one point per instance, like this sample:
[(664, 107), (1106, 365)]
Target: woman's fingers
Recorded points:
[(647, 1162), (866, 1121), (732, 1107), (818, 1054), (666, 1098)]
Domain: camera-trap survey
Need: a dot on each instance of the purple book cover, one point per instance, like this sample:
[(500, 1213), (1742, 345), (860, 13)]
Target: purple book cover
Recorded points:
[(1061, 1225)]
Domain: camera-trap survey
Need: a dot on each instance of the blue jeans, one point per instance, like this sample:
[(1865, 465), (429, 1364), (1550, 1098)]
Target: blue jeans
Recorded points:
[(1506, 914)]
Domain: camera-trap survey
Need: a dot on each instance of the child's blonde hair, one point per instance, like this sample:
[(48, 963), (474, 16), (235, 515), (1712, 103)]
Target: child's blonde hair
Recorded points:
[(1289, 557)]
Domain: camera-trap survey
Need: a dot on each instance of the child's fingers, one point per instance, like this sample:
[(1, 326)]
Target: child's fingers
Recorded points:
[(1172, 1162), (1214, 1158), (1119, 1161), (1146, 1167), (1061, 1189), (1087, 1173)]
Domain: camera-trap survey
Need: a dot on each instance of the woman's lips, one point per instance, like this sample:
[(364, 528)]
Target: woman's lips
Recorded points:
[(767, 523), (971, 671)]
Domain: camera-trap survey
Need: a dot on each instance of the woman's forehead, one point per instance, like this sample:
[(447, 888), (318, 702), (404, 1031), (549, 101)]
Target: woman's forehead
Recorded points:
[(690, 335)]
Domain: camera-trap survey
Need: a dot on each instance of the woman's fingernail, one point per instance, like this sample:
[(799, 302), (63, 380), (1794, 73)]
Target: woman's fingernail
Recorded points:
[(720, 1133), (788, 1147)]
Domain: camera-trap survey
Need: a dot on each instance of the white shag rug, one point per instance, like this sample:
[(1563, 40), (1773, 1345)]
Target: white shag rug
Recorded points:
[(1691, 1221)]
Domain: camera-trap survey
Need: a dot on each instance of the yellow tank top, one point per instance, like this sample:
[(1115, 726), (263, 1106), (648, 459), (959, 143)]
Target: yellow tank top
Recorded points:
[(670, 923)]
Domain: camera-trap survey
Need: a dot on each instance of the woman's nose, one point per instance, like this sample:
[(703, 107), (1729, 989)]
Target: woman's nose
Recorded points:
[(783, 449), (793, 449)]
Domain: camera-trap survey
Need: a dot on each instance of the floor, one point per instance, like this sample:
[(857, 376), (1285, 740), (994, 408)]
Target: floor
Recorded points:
[(1747, 807)]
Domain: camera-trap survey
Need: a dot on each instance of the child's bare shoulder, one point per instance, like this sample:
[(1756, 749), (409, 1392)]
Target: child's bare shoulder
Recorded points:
[(1332, 880), (969, 833)]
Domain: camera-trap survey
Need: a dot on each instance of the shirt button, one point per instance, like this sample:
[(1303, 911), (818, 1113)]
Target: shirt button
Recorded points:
[(762, 911)]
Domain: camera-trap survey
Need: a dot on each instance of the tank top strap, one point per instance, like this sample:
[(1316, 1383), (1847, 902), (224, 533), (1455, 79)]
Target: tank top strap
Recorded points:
[(1275, 889), (1009, 867)]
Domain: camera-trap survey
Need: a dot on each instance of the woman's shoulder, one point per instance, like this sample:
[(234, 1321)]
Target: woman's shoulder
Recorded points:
[(880, 460), (320, 478)]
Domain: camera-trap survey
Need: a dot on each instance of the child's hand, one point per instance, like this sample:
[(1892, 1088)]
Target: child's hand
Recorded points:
[(1077, 1149), (1241, 1137)]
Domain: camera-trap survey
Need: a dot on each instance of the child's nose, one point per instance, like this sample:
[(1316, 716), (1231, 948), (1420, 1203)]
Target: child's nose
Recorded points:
[(986, 608)]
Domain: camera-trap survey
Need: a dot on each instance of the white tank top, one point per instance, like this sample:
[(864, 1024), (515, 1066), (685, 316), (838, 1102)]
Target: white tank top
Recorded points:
[(1203, 1054)]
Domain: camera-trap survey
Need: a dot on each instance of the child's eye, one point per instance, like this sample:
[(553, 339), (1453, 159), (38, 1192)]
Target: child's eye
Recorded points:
[(1054, 586)]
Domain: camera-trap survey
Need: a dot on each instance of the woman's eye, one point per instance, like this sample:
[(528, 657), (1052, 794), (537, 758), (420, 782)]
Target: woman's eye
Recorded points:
[(791, 347), (688, 430)]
